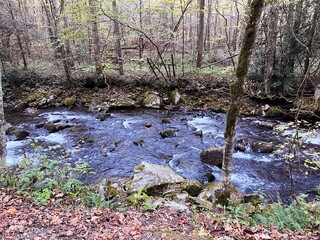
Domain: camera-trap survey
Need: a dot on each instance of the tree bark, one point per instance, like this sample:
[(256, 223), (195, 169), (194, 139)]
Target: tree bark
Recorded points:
[(95, 36), (3, 151), (200, 34), (118, 38), (271, 47), (237, 91)]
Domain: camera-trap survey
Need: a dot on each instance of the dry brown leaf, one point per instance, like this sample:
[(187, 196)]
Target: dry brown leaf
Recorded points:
[(12, 211)]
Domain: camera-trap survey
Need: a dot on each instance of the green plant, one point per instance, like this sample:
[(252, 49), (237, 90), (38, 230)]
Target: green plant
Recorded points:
[(138, 198), (148, 207), (43, 178), (43, 196), (296, 216)]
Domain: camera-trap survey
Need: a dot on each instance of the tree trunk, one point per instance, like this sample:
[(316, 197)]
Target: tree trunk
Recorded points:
[(207, 35), (3, 150), (23, 55), (95, 36), (237, 91), (118, 38), (200, 34), (271, 47)]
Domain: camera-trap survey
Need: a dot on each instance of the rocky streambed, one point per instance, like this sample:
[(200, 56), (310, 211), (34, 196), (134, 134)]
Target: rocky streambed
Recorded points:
[(113, 143)]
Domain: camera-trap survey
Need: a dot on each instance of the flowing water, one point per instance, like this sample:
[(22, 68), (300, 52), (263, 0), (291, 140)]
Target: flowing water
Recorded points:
[(126, 138)]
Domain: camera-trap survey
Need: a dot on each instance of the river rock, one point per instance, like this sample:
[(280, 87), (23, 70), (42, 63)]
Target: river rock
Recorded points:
[(148, 124), (32, 111), (252, 198), (202, 203), (166, 120), (102, 117), (262, 147), (152, 100), (52, 127), (124, 104), (69, 101), (192, 186), (175, 97), (167, 133), (22, 105), (20, 134), (177, 206), (274, 112), (210, 191), (212, 156), (147, 176)]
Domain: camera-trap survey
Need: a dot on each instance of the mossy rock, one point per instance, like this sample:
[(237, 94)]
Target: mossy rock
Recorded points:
[(213, 192), (212, 156), (86, 100), (34, 97), (69, 101), (20, 134), (192, 186), (262, 147), (274, 112), (152, 100), (102, 117)]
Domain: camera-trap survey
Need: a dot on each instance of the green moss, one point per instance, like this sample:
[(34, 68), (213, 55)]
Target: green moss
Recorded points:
[(34, 97), (69, 101)]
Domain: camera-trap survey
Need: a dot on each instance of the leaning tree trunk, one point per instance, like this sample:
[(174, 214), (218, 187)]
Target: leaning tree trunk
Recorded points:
[(237, 91), (3, 151)]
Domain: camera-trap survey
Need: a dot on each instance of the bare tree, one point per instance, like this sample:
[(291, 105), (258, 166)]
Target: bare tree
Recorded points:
[(95, 36), (3, 151), (118, 38), (271, 47), (200, 34), (237, 91)]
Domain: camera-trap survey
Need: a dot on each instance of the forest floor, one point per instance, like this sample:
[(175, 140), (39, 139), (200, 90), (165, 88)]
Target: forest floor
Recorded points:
[(21, 219)]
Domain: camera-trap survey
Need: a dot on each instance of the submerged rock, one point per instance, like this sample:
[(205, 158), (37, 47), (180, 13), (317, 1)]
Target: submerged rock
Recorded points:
[(212, 156), (262, 147), (147, 176)]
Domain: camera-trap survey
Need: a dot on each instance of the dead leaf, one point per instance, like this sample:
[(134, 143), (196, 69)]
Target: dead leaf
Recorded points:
[(12, 211)]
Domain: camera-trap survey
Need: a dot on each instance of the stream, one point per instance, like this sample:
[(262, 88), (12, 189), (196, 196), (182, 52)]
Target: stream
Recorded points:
[(127, 137)]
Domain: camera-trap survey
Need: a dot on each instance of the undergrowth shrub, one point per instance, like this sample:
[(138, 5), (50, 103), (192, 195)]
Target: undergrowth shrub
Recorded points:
[(45, 178)]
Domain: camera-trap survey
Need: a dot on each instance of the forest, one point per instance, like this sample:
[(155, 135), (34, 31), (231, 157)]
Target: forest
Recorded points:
[(150, 119)]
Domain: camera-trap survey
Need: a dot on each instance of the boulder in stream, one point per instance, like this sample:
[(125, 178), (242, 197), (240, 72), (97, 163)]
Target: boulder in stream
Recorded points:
[(103, 116), (212, 156), (167, 133), (20, 134), (152, 100), (148, 176), (52, 127), (262, 147)]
